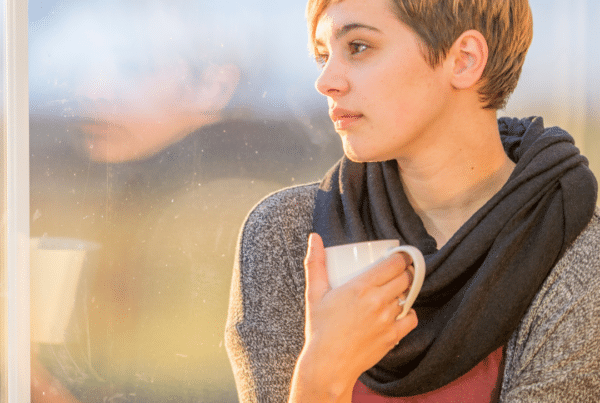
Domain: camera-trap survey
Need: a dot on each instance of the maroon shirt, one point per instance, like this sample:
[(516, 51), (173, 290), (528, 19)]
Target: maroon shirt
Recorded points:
[(479, 385)]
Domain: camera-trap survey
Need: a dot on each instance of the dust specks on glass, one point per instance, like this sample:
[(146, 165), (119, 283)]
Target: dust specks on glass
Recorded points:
[(155, 126)]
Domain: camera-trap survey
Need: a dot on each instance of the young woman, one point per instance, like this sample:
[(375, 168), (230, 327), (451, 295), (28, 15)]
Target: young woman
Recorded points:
[(504, 212)]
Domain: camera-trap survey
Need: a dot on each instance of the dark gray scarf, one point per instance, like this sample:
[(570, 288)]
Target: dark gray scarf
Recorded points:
[(479, 285)]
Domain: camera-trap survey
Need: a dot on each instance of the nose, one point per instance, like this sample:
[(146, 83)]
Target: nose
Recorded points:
[(333, 80)]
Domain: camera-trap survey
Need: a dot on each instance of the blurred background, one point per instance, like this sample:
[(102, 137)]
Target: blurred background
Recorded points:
[(155, 127)]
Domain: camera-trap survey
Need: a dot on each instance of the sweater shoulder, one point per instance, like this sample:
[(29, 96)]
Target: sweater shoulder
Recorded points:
[(265, 325), (286, 211), (285, 204), (275, 234), (552, 356), (576, 274), (581, 261)]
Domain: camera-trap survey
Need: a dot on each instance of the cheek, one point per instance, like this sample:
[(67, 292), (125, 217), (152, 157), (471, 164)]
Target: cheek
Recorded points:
[(413, 94), (396, 88)]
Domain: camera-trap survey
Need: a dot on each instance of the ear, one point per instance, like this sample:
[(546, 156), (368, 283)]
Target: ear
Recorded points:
[(216, 88), (467, 59)]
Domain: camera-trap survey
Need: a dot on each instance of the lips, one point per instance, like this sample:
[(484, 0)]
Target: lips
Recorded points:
[(344, 118)]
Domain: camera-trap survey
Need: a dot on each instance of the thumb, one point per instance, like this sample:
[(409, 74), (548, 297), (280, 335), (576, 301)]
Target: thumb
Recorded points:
[(315, 270)]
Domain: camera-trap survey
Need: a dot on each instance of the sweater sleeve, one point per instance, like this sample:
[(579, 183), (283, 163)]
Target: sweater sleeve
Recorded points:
[(265, 324), (554, 356)]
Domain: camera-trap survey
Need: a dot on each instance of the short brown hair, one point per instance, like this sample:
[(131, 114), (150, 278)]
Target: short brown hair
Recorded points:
[(506, 25)]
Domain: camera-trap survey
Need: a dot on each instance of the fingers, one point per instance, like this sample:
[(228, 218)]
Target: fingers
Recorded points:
[(399, 286), (383, 271), (395, 328), (404, 326), (317, 283)]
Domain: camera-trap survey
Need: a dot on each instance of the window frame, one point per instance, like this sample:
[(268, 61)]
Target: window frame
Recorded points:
[(14, 268)]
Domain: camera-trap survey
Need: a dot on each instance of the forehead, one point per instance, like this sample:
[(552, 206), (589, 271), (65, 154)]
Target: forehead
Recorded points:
[(340, 17)]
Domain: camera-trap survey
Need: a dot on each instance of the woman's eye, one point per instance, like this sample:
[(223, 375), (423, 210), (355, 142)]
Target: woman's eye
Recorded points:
[(321, 59), (357, 47)]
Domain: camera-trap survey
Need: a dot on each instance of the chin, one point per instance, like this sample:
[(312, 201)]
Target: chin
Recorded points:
[(356, 156), (111, 152), (359, 150)]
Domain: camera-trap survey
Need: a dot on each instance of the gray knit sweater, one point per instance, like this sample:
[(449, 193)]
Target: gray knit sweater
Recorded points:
[(553, 356)]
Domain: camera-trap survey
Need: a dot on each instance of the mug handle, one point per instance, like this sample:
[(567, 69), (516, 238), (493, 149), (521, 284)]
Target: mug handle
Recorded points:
[(418, 263)]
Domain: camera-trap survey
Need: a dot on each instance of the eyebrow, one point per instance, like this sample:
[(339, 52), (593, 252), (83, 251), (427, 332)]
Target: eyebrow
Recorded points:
[(340, 32)]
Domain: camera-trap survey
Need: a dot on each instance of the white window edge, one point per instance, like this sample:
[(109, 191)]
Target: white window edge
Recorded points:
[(16, 143)]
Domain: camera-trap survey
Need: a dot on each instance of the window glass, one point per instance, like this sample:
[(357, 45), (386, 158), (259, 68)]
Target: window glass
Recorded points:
[(559, 79), (155, 126)]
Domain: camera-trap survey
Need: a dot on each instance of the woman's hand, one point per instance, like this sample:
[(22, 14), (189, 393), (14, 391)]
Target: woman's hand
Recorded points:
[(45, 388), (350, 328)]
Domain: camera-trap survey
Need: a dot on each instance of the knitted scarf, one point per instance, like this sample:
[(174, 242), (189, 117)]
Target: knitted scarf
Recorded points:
[(479, 285)]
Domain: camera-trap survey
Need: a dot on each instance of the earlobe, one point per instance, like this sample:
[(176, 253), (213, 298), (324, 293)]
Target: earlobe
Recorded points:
[(469, 55), (216, 88)]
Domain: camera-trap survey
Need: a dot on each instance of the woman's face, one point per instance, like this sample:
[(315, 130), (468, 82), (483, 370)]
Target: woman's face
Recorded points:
[(385, 100), (159, 110)]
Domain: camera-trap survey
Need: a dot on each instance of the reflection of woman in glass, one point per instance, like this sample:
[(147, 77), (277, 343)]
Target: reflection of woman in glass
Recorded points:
[(162, 182), (503, 210), (155, 111)]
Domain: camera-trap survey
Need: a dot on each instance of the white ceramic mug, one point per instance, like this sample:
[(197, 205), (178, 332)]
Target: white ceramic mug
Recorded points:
[(345, 262), (56, 265)]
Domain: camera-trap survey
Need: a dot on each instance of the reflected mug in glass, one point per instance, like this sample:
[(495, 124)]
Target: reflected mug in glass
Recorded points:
[(56, 265)]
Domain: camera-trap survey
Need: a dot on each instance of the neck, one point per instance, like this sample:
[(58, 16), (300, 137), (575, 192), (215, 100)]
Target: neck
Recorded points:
[(456, 176)]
